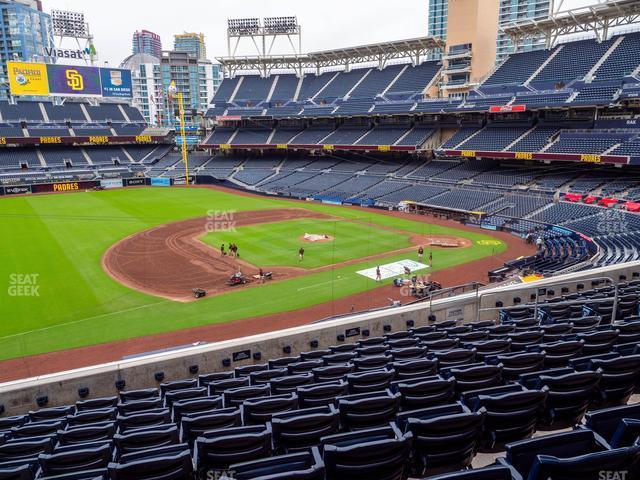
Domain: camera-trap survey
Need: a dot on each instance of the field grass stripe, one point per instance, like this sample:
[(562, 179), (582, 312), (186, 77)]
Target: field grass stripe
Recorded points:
[(76, 322)]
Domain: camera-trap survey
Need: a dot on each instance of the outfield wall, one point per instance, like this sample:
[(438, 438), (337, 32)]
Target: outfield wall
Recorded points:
[(62, 388)]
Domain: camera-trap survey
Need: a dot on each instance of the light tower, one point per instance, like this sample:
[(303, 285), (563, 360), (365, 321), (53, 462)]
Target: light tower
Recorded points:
[(174, 93), (263, 33), (73, 25)]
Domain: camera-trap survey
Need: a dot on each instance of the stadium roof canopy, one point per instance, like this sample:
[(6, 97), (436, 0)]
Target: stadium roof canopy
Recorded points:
[(599, 19), (414, 49)]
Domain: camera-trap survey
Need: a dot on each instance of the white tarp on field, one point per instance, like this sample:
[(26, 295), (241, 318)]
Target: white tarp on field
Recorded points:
[(313, 237), (392, 270)]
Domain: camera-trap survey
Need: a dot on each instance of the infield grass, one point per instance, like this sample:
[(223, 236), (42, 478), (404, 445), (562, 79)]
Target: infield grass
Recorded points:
[(277, 244), (61, 239)]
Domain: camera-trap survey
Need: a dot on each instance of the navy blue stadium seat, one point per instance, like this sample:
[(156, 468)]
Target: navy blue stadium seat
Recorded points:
[(195, 406), (370, 381), (194, 426), (159, 464), (84, 458), (290, 383), (425, 392), (514, 365), (144, 418), (234, 397), (301, 429), (569, 395), (474, 378), (256, 411), (321, 393), (607, 422), (145, 439), (574, 455), (216, 450), (493, 472), (296, 466), (381, 453), (88, 433), (445, 438), (366, 410)]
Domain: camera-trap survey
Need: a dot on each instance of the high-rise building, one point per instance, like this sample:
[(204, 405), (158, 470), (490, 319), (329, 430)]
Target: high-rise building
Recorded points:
[(198, 80), (510, 11), (25, 32), (147, 42), (437, 27), (191, 43), (518, 11)]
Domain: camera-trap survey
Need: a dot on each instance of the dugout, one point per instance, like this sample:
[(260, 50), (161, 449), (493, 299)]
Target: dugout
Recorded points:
[(446, 213)]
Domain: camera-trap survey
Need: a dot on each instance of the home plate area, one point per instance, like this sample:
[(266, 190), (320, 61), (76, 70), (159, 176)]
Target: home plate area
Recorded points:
[(391, 270)]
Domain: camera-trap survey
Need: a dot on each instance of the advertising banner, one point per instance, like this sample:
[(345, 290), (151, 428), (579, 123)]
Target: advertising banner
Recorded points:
[(135, 182), (63, 187), (74, 80), (111, 183), (21, 190), (28, 78), (116, 83), (160, 182)]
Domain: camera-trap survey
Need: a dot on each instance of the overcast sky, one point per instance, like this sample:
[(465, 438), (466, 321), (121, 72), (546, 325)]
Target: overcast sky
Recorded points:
[(325, 24)]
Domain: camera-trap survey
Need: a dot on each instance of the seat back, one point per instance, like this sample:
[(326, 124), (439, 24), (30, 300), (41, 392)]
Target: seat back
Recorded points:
[(321, 394), (383, 459), (370, 381), (176, 466), (303, 428), (297, 466), (236, 396), (368, 409), (431, 391), (257, 411), (417, 368), (218, 449), (145, 440), (588, 466), (193, 427), (75, 460), (449, 441)]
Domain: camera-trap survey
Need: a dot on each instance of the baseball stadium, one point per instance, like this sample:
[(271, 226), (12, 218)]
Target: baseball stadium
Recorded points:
[(414, 259)]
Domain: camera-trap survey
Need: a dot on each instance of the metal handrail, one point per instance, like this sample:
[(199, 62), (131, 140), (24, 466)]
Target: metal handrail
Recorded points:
[(536, 303)]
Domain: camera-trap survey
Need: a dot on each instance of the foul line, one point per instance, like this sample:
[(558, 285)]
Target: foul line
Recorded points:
[(66, 324), (315, 285)]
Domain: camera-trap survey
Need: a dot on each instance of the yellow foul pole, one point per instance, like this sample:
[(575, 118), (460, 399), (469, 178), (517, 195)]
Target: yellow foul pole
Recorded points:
[(183, 134)]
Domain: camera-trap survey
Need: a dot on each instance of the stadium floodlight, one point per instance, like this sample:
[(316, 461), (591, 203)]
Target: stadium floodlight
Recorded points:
[(69, 24), (243, 26), (281, 25)]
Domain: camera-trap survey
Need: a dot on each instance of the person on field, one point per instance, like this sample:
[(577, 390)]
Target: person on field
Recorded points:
[(301, 253), (378, 275), (430, 259), (420, 253), (222, 251)]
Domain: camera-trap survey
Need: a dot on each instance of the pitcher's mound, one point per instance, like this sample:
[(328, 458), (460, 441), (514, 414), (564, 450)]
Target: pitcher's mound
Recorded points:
[(316, 238)]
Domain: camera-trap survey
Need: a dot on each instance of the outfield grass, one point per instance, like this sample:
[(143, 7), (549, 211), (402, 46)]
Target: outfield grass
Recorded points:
[(62, 238), (277, 244)]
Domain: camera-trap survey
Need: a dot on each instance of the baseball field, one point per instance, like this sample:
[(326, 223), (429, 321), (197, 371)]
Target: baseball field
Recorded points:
[(90, 268)]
